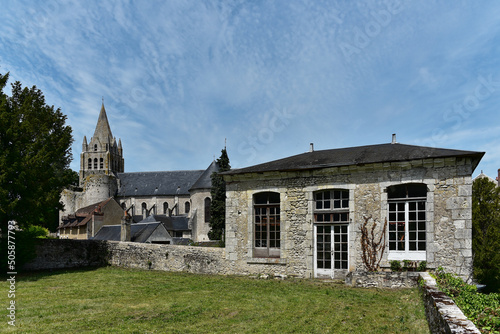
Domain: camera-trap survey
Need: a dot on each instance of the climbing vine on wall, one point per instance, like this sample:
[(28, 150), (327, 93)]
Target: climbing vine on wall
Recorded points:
[(372, 244)]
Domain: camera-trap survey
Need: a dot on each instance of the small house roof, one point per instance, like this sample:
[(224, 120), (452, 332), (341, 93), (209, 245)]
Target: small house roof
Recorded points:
[(92, 208), (138, 232), (172, 223)]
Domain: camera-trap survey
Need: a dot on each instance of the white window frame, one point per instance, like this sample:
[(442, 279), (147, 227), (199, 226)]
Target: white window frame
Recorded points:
[(407, 254)]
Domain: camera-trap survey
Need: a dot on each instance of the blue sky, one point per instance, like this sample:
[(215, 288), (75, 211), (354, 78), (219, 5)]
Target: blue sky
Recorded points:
[(179, 77)]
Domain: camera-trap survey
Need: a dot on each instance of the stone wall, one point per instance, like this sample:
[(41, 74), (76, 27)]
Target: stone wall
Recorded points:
[(443, 315), (200, 226), (366, 279), (68, 253), (448, 211)]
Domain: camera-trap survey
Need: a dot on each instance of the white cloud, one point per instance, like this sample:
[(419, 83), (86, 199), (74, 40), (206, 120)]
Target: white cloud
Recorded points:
[(178, 77)]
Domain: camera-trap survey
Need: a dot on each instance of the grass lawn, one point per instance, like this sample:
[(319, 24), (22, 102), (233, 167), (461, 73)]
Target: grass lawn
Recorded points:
[(116, 300)]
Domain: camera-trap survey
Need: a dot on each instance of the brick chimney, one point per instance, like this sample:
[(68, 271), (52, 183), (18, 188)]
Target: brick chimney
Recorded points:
[(125, 234)]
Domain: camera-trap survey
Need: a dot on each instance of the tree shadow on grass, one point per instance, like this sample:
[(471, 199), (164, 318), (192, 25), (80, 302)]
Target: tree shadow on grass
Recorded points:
[(35, 275)]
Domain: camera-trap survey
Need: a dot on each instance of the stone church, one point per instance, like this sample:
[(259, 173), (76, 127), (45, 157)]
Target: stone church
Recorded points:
[(179, 199)]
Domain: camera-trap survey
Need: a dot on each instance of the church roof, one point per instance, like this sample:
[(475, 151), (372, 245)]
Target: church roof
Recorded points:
[(102, 129), (360, 155), (157, 183), (205, 180)]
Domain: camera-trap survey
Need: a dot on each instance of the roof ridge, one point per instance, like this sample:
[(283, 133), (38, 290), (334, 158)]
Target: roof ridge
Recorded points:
[(165, 171)]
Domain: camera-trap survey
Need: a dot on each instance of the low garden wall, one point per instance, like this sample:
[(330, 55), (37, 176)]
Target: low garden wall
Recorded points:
[(443, 315), (370, 279), (67, 253)]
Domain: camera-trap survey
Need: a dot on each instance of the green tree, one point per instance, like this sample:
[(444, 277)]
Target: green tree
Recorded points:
[(218, 192), (35, 152), (486, 232)]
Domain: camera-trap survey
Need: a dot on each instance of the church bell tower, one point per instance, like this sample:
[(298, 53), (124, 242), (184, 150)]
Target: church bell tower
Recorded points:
[(102, 155)]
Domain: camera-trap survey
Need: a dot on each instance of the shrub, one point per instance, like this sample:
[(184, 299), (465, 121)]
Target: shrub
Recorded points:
[(35, 231), (395, 265), (422, 266)]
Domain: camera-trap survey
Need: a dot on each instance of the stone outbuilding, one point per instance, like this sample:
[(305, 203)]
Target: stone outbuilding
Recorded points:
[(85, 222), (302, 215)]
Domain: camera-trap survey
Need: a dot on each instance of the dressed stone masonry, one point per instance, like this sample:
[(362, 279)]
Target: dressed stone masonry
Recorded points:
[(424, 193)]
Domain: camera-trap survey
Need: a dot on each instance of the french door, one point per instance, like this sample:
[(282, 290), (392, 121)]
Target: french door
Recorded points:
[(331, 249)]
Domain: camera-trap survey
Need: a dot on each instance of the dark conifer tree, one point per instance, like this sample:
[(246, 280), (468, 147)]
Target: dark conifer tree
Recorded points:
[(486, 232), (218, 192), (35, 152)]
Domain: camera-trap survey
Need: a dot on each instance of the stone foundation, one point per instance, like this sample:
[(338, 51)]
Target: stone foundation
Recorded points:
[(366, 279)]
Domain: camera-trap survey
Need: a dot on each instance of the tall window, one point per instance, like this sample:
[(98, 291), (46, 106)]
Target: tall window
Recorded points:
[(267, 240), (89, 164), (165, 208), (95, 147), (95, 163), (144, 210), (407, 221), (101, 163), (187, 207), (208, 202), (331, 217)]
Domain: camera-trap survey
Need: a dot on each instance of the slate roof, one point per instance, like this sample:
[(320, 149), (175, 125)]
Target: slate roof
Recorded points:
[(173, 223), (157, 183), (102, 129), (205, 180), (95, 207), (360, 155), (83, 215), (139, 232)]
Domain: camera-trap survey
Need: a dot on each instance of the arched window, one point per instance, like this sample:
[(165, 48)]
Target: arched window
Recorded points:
[(89, 164), (407, 221), (208, 202), (165, 208), (144, 210), (187, 207), (101, 163), (267, 231), (95, 147), (95, 163), (331, 226), (124, 206)]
